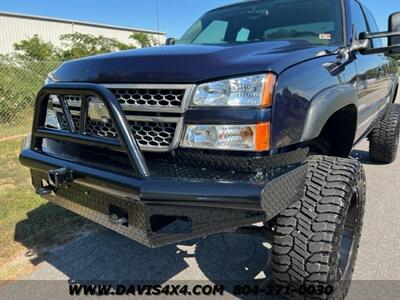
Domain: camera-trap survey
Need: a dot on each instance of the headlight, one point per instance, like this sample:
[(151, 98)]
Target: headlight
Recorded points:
[(229, 137), (256, 90)]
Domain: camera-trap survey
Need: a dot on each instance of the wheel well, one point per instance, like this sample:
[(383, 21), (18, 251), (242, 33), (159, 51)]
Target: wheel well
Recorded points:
[(337, 135)]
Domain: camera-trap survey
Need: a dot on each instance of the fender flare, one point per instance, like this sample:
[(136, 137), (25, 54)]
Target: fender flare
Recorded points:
[(324, 105)]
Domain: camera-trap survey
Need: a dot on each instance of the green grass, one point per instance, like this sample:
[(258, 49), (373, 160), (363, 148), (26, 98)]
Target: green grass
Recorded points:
[(28, 222), (9, 131)]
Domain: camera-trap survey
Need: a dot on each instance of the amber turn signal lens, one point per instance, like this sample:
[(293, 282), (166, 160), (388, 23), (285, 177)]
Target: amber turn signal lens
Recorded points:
[(268, 92), (263, 137)]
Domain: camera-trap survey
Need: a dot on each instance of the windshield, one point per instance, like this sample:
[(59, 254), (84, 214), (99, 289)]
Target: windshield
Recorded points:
[(313, 21)]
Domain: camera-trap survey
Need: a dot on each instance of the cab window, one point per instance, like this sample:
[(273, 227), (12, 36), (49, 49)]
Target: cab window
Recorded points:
[(358, 19)]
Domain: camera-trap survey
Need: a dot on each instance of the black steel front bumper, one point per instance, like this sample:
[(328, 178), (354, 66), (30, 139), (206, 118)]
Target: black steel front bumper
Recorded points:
[(161, 202)]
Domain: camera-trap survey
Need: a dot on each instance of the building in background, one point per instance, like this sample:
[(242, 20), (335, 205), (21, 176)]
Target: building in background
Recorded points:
[(16, 27)]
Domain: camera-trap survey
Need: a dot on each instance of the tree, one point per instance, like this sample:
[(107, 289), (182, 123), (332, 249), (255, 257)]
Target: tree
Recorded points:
[(143, 39), (76, 45), (35, 49)]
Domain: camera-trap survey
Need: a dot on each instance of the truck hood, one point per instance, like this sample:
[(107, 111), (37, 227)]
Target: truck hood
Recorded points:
[(187, 63)]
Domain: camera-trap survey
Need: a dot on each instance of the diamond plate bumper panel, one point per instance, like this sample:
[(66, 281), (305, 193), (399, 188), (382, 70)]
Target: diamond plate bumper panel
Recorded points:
[(203, 212), (95, 205)]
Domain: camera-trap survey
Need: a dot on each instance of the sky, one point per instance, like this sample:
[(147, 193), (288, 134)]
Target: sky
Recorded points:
[(175, 16)]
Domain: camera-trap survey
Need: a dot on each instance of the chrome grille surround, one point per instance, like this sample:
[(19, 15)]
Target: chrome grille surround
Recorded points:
[(153, 133)]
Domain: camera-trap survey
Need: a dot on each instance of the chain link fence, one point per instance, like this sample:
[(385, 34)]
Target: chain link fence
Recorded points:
[(20, 80)]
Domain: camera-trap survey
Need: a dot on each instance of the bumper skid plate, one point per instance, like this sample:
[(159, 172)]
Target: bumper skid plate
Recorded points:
[(155, 224)]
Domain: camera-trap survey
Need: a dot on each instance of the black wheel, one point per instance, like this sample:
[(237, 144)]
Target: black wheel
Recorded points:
[(316, 239), (384, 138)]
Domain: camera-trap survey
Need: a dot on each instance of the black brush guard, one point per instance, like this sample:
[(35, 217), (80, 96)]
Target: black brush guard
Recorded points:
[(145, 206)]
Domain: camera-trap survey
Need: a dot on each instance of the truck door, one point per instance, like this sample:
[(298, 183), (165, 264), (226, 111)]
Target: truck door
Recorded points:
[(370, 76)]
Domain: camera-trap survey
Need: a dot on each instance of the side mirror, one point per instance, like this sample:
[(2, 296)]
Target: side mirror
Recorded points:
[(170, 41), (394, 26), (393, 35)]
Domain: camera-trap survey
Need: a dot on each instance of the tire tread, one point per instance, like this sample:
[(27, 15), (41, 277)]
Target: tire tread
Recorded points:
[(307, 234), (384, 137)]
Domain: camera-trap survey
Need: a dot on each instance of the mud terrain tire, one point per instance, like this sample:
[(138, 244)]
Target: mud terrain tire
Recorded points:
[(316, 238), (384, 138)]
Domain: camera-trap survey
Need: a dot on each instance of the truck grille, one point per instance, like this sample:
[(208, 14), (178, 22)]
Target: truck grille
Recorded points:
[(152, 131)]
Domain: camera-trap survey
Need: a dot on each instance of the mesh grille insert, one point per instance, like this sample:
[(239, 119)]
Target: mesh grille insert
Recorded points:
[(153, 134), (148, 134), (69, 98), (150, 97)]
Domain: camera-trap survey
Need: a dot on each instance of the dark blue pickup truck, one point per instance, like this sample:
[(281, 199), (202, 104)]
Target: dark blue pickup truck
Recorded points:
[(250, 117)]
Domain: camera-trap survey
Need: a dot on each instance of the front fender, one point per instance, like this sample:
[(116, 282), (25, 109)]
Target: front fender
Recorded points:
[(306, 95), (324, 105)]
